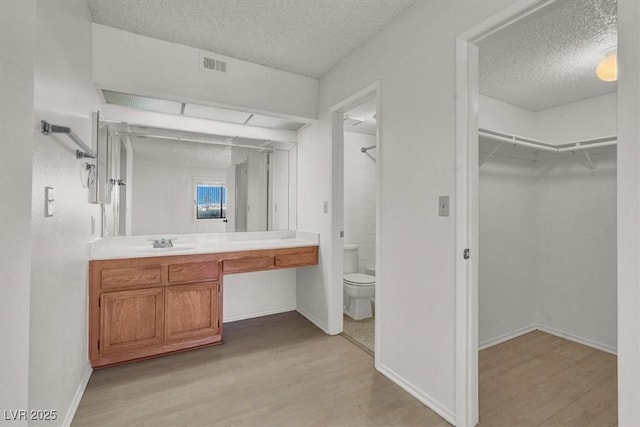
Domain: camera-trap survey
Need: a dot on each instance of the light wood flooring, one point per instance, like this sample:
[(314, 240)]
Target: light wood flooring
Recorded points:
[(539, 379), (283, 371), (272, 371)]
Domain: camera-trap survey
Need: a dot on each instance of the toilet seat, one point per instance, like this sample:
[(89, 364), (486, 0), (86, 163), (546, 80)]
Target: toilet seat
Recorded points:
[(359, 279)]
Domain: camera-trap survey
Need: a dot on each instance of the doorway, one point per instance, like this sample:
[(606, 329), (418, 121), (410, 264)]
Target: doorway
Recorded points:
[(520, 167), (359, 223), (341, 121)]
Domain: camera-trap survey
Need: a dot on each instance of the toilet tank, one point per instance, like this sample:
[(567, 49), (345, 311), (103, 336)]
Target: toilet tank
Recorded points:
[(350, 258)]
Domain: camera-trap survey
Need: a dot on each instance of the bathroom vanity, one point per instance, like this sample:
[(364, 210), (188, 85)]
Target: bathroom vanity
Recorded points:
[(145, 302)]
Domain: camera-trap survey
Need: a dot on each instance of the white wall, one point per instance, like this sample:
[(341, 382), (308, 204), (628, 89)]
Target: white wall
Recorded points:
[(417, 165), (508, 251), (575, 226), (128, 62), (548, 248), (360, 197), (314, 188), (500, 116), (587, 119), (64, 95), (260, 293), (16, 147), (628, 213)]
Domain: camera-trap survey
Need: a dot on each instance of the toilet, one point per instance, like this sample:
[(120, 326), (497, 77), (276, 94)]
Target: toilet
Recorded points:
[(359, 288)]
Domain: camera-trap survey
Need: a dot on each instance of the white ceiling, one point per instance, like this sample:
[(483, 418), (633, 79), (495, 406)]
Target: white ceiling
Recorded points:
[(300, 36), (549, 58)]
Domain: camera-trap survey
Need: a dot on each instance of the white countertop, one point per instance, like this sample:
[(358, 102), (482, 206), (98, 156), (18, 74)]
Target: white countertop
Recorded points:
[(191, 244)]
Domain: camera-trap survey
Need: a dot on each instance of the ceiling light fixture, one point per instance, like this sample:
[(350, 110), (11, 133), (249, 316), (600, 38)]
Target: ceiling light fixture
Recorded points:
[(608, 68)]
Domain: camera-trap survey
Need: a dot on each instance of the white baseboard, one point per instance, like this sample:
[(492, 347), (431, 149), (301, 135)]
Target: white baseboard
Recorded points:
[(549, 330), (506, 337), (314, 320), (73, 407), (244, 316), (580, 340), (430, 402)]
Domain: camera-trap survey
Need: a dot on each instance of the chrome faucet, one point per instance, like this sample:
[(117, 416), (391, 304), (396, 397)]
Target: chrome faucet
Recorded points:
[(163, 243)]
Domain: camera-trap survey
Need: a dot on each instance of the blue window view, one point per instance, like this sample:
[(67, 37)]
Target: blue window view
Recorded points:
[(211, 201)]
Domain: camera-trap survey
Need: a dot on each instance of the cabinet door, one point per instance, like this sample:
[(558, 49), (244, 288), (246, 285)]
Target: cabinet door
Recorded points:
[(131, 319), (192, 311)]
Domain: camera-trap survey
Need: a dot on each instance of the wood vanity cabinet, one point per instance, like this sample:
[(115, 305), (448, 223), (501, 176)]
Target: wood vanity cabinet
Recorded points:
[(145, 307)]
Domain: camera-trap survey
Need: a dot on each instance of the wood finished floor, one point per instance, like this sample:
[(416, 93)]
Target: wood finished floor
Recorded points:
[(282, 371), (272, 371), (539, 379)]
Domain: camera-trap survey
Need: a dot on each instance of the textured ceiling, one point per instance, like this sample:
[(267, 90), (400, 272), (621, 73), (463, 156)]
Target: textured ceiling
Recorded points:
[(549, 58), (300, 36)]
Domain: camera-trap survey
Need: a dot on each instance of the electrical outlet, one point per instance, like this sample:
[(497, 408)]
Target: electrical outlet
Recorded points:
[(443, 206)]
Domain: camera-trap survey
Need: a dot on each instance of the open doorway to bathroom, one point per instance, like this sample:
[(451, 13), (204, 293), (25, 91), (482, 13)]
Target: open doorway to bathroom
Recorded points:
[(359, 250)]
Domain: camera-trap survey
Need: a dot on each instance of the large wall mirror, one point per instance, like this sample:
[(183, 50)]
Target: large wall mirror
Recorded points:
[(165, 181)]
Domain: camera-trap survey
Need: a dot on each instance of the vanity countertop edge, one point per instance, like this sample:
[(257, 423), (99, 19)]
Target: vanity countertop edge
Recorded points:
[(124, 247)]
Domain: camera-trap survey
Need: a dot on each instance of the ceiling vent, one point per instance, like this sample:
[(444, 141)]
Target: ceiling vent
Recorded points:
[(212, 65)]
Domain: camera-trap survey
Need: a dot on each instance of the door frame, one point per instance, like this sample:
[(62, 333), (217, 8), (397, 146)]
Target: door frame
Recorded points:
[(337, 211), (467, 213), (243, 164)]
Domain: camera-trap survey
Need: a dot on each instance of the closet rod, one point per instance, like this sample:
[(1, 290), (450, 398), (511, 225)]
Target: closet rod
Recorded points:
[(581, 146), (86, 152), (538, 145), (514, 141)]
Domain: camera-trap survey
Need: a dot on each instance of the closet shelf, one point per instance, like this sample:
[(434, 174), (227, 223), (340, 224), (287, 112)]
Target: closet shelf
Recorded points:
[(544, 146)]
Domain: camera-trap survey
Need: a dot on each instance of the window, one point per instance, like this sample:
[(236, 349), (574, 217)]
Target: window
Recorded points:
[(210, 200)]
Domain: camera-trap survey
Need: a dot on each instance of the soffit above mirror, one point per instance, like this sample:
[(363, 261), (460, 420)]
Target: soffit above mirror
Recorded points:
[(201, 111), (153, 134), (549, 58)]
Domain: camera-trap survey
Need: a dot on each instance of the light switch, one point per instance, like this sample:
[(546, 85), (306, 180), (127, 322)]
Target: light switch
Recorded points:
[(48, 201), (443, 203), (325, 207)]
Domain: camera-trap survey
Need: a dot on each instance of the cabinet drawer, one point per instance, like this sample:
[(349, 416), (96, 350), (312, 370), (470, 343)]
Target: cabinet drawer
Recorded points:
[(297, 259), (247, 264), (130, 277), (194, 272)]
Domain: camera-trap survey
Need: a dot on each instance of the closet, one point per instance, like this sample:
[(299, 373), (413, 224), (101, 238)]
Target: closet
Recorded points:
[(547, 262), (548, 227), (547, 270)]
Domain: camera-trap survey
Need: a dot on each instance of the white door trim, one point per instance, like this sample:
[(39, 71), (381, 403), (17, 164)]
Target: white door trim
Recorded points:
[(337, 212), (467, 214)]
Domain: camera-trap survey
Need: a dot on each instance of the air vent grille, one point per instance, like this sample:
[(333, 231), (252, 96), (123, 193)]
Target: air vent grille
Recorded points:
[(208, 63)]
